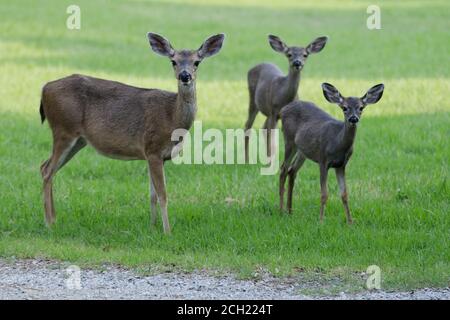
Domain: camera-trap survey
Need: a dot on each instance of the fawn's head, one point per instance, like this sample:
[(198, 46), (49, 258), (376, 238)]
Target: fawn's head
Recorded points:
[(352, 106), (185, 62), (297, 55)]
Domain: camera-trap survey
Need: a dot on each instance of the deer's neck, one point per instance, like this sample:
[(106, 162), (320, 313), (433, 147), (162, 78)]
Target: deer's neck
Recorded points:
[(347, 136), (291, 83), (186, 107)]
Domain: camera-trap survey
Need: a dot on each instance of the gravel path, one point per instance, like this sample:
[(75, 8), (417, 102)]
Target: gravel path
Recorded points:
[(40, 279)]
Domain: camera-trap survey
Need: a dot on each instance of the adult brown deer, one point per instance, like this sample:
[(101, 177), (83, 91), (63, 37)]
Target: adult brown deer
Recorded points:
[(121, 121), (270, 90), (311, 133)]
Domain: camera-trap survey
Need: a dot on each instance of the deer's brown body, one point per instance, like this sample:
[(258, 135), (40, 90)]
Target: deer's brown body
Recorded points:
[(118, 120), (122, 121)]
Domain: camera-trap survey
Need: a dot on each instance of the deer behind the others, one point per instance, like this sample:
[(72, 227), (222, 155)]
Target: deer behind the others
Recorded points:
[(311, 133), (270, 90), (121, 121)]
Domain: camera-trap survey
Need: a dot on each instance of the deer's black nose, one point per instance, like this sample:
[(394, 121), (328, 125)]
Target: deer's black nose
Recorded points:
[(185, 76), (353, 119), (297, 63)]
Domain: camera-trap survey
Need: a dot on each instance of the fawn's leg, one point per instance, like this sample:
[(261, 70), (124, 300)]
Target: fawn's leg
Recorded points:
[(293, 169), (340, 175), (270, 125), (323, 190), (156, 167), (288, 155), (252, 112)]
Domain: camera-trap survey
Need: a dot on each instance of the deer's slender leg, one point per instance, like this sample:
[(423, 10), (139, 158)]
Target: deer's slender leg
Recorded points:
[(252, 112), (79, 144), (299, 161), (266, 127), (62, 146), (340, 175), (269, 125), (156, 167), (288, 155), (273, 142), (153, 201), (323, 190)]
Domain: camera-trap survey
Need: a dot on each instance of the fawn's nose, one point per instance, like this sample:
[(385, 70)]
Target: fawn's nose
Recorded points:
[(353, 119), (185, 77), (297, 63)]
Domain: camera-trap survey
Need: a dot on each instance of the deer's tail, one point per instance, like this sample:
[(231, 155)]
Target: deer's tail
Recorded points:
[(41, 111)]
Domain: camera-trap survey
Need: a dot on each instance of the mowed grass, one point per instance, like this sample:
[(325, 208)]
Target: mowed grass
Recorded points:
[(225, 217)]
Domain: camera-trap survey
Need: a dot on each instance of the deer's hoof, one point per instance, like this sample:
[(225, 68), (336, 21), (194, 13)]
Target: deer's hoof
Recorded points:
[(50, 222)]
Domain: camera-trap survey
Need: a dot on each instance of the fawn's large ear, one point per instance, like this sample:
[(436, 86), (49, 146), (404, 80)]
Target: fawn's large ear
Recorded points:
[(331, 93), (160, 45), (317, 45), (211, 46), (374, 94), (277, 44)]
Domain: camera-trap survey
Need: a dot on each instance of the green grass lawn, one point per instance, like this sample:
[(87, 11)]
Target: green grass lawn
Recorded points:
[(398, 177)]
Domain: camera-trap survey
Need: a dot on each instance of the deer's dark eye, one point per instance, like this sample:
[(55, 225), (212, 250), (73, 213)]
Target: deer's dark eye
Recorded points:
[(361, 109), (345, 109), (196, 63), (174, 63), (305, 55), (289, 55)]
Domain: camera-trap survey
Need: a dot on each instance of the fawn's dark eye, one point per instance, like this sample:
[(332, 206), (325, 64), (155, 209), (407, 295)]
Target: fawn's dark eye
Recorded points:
[(345, 109), (174, 63), (196, 63), (289, 55), (305, 55), (361, 109)]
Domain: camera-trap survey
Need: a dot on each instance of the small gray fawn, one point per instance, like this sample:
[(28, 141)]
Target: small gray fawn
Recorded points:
[(270, 89), (311, 133)]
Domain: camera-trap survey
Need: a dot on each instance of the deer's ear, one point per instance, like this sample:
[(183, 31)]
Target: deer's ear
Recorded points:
[(331, 93), (317, 45), (160, 45), (211, 46), (277, 44), (374, 94)]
